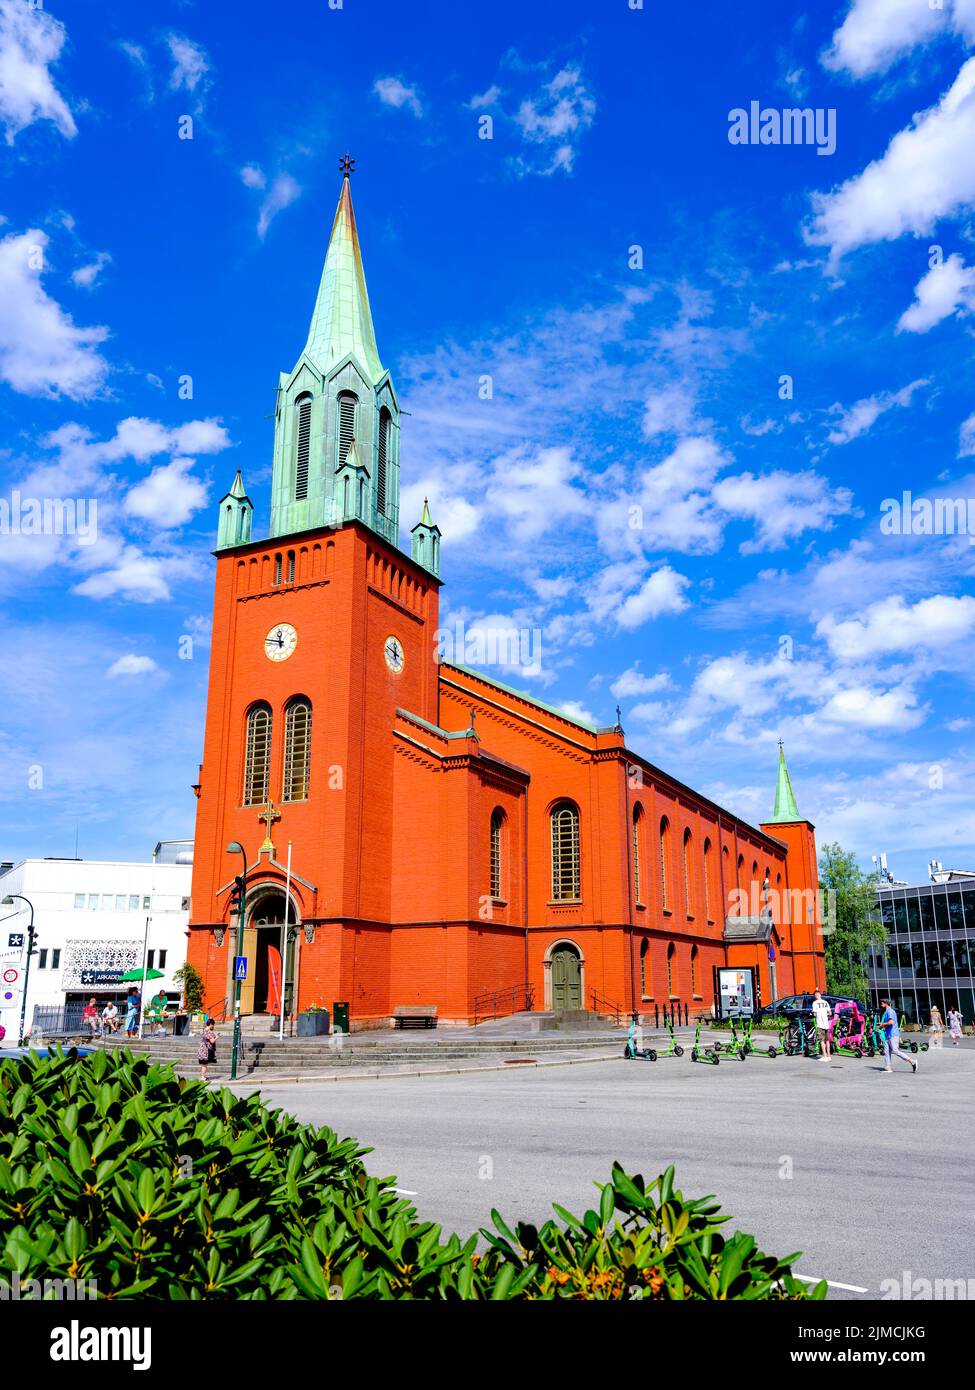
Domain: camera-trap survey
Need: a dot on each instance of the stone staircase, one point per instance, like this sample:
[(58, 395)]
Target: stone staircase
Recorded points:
[(516, 1039)]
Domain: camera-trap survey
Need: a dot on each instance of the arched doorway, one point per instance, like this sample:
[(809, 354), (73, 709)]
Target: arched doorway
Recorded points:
[(263, 934), (566, 978)]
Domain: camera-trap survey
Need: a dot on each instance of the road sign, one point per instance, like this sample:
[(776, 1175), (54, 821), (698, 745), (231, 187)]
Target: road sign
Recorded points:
[(240, 967), (15, 938), (11, 975)]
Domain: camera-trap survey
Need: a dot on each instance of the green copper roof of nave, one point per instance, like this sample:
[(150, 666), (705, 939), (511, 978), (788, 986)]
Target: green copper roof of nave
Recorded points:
[(342, 320)]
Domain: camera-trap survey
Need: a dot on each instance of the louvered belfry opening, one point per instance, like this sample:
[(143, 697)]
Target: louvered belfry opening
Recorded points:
[(257, 762), (385, 424), (303, 449), (347, 410)]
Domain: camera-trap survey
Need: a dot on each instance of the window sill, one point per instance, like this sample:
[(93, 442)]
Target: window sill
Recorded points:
[(667, 911), (499, 902), (565, 902), (642, 907)]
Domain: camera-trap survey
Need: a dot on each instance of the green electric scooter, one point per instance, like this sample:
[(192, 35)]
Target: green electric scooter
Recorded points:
[(736, 1047), (634, 1053), (672, 1048), (704, 1054), (755, 1049)]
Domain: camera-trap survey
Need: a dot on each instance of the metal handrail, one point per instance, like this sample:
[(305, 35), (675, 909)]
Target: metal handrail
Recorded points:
[(611, 1006), (487, 1005)]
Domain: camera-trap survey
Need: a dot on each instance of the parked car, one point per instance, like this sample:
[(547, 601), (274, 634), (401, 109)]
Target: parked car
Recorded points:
[(792, 1004)]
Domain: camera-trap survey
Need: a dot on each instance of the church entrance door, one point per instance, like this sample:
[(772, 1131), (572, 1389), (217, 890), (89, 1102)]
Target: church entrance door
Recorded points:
[(566, 979)]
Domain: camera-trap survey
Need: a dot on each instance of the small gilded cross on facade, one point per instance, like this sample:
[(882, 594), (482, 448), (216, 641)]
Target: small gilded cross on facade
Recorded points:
[(269, 815), (347, 164)]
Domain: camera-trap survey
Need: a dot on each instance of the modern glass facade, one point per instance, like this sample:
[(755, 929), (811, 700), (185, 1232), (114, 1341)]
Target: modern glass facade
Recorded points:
[(929, 955)]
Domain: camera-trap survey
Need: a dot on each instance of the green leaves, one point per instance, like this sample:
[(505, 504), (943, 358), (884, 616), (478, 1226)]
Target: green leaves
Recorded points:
[(118, 1172)]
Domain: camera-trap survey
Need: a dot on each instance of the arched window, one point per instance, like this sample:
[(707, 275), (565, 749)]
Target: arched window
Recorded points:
[(637, 837), (362, 497), (257, 759), (671, 953), (688, 900), (707, 879), (497, 831), (277, 569), (566, 881), (645, 968), (297, 750), (664, 855), (291, 567), (738, 875), (382, 459), (348, 404), (695, 974), (345, 497), (302, 446)]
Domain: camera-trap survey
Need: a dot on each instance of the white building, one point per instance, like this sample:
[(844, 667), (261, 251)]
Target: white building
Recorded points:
[(91, 919)]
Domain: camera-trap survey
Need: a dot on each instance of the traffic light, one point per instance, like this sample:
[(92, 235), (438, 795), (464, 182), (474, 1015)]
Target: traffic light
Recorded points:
[(237, 896)]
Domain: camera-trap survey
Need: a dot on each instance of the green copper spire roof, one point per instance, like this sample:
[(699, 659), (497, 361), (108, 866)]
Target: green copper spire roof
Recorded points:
[(786, 809), (342, 321), (237, 488)]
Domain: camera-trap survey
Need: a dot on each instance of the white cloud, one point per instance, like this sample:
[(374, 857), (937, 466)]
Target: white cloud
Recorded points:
[(392, 91), (860, 707), (893, 625), (669, 411), (486, 98), (946, 288), (876, 32), (576, 711), (132, 665), (134, 575), (169, 496), (966, 437), (282, 193), (554, 119), (30, 41), (191, 64), (634, 682), (535, 491), (86, 275), (252, 176), (782, 505), (862, 415), (42, 351), (926, 173), (661, 594)]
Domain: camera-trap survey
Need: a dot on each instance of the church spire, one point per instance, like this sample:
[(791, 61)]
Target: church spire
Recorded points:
[(236, 514), (342, 320), (786, 809), (425, 542)]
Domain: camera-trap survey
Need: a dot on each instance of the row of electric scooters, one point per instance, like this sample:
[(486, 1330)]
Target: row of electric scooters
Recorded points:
[(850, 1035)]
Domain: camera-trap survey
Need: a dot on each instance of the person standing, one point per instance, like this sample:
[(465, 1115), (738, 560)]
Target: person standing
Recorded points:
[(207, 1051), (937, 1027), (954, 1026), (892, 1037), (132, 1005), (822, 1013)]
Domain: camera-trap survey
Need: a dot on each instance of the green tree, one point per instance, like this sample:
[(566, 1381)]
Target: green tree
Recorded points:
[(856, 930), (190, 982)]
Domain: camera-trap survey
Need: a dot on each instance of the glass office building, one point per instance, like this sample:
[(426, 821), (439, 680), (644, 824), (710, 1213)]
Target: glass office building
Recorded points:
[(929, 955)]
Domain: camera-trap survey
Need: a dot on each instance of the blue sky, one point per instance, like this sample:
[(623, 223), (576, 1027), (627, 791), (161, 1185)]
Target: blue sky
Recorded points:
[(689, 540)]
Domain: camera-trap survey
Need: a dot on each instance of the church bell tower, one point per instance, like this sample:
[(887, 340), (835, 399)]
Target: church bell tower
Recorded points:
[(337, 419)]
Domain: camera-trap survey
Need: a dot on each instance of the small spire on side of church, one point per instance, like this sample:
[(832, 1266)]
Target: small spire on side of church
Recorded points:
[(425, 541)]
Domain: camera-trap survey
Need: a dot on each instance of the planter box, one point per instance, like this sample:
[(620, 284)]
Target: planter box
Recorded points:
[(313, 1025)]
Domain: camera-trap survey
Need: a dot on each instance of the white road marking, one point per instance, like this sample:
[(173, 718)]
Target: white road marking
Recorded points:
[(405, 1192), (812, 1279)]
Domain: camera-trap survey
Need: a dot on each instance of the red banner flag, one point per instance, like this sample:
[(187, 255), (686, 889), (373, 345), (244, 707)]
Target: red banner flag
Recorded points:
[(274, 976)]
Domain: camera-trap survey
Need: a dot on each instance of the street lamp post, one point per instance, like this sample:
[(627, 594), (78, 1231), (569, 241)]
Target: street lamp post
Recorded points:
[(9, 902), (235, 847)]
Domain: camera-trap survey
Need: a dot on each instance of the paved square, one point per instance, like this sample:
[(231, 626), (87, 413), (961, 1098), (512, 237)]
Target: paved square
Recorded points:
[(881, 1165)]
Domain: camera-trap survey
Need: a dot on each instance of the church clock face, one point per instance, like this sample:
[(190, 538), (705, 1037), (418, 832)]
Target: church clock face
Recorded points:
[(280, 642), (394, 654)]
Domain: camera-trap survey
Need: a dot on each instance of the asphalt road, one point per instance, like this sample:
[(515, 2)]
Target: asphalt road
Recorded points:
[(868, 1174)]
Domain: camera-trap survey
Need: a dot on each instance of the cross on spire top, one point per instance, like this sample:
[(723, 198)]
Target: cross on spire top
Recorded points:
[(347, 164)]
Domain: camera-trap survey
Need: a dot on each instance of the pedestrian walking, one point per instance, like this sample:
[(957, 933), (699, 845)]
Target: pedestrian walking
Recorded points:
[(954, 1025), (892, 1037), (822, 1013), (207, 1051), (937, 1027)]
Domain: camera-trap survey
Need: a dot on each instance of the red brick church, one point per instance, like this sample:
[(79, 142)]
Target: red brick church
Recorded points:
[(452, 842)]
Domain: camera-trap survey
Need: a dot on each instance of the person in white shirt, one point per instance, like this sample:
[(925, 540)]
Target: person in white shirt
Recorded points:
[(110, 1018), (822, 1014)]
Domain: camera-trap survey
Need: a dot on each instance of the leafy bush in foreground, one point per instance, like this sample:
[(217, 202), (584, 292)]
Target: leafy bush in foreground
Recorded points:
[(116, 1170)]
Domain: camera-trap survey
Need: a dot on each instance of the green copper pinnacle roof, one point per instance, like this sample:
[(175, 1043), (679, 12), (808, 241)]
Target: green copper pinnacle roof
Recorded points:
[(237, 488), (342, 321), (786, 809)]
